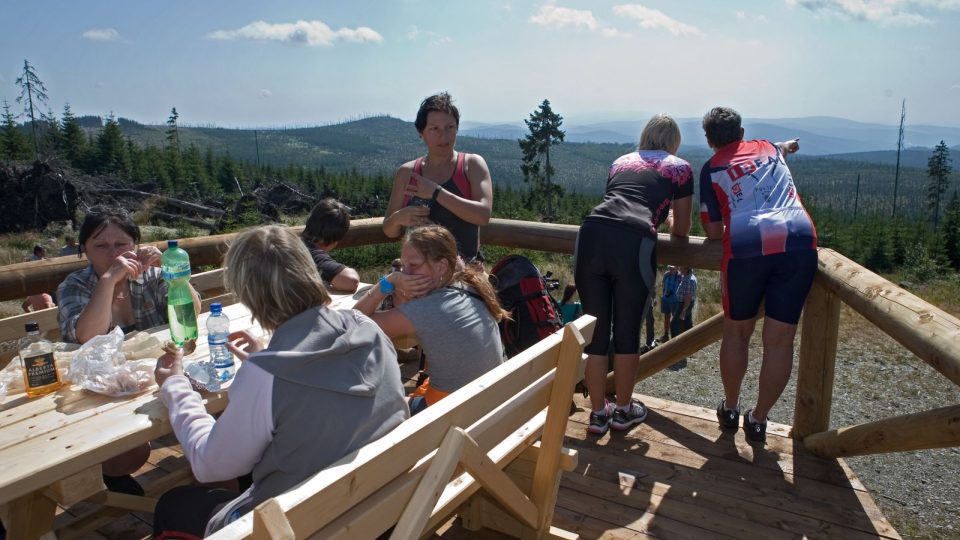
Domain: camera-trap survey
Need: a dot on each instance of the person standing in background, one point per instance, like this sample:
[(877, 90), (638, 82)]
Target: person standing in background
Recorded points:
[(668, 299), (686, 300), (445, 187), (70, 246)]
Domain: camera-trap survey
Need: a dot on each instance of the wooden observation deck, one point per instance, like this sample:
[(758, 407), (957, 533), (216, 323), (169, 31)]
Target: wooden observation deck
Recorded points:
[(677, 475)]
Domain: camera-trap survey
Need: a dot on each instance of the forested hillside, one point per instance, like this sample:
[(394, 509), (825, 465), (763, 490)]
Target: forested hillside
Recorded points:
[(850, 197)]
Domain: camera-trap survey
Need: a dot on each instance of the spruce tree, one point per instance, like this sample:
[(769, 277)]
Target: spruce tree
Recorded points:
[(544, 126), (112, 149), (73, 143), (35, 94), (938, 170), (173, 130), (12, 144)]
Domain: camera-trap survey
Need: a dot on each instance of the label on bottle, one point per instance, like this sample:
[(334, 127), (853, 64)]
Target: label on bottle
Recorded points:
[(40, 370), (178, 272)]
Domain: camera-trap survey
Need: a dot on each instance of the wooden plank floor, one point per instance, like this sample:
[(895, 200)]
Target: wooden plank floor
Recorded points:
[(675, 476)]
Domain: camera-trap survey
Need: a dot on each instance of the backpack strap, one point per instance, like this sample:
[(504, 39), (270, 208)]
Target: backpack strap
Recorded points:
[(417, 168), (460, 177)]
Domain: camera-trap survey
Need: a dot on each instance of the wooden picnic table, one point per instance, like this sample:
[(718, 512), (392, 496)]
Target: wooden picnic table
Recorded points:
[(51, 447)]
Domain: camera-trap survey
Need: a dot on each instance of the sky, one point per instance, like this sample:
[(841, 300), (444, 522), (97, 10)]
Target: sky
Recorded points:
[(240, 63)]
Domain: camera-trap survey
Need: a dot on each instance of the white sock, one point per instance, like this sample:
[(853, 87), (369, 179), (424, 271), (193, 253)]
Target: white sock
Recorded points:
[(626, 407), (737, 408), (753, 419)]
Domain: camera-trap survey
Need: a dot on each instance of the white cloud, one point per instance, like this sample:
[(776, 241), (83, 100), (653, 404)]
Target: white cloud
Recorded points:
[(556, 17), (265, 93), (415, 34), (101, 34), (653, 19), (743, 16), (613, 33), (881, 12), (559, 17), (310, 33)]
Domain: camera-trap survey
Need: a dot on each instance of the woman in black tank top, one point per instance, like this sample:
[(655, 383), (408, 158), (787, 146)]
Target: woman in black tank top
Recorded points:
[(445, 187)]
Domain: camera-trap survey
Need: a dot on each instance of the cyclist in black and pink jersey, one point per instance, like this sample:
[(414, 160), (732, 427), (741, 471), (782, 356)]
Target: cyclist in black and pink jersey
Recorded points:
[(748, 198), (615, 267), (445, 187)]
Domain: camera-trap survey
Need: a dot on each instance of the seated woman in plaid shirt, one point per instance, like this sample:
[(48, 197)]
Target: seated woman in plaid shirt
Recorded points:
[(121, 287)]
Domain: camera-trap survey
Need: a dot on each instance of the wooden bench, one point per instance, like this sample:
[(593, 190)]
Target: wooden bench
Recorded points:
[(490, 452)]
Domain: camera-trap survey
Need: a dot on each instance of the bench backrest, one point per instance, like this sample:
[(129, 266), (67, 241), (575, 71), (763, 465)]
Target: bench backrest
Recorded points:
[(502, 414), (209, 284)]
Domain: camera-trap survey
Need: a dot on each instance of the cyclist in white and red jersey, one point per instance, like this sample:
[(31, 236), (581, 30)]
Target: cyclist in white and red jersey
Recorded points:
[(748, 198)]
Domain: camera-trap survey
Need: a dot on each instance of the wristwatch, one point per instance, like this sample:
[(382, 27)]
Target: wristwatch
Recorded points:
[(436, 193)]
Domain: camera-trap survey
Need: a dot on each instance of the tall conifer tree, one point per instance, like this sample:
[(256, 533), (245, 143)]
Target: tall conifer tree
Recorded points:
[(544, 126)]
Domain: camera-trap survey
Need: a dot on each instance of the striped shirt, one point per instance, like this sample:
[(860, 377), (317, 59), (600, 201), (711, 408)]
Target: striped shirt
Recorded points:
[(148, 296)]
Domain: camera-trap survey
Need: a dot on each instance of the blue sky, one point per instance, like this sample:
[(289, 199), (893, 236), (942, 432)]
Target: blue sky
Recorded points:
[(282, 63)]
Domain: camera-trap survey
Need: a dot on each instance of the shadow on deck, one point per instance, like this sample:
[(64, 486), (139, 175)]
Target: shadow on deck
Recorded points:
[(674, 476), (679, 476)]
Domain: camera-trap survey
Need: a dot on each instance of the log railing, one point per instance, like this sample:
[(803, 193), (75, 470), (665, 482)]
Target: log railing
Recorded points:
[(929, 332)]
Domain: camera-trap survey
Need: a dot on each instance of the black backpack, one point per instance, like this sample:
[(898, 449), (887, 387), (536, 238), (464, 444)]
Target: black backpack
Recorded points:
[(522, 291)]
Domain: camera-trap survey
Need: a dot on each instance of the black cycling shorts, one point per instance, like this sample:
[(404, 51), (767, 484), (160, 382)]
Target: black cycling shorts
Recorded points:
[(615, 273), (781, 280)]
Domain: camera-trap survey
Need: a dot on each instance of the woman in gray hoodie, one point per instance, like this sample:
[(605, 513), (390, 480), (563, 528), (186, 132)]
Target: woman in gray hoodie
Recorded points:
[(327, 384)]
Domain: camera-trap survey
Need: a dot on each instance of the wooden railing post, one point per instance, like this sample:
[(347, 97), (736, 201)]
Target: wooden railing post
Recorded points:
[(818, 351)]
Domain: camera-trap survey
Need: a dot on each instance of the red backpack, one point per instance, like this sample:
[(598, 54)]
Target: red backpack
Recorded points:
[(522, 291)]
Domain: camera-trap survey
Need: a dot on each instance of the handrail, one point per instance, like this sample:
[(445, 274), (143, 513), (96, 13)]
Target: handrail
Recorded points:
[(22, 279)]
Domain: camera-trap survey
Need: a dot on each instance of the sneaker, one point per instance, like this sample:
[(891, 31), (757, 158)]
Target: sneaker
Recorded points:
[(756, 432), (663, 339), (600, 422), (626, 419), (729, 419)]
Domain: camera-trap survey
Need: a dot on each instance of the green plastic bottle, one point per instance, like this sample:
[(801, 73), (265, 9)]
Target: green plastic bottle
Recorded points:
[(175, 265)]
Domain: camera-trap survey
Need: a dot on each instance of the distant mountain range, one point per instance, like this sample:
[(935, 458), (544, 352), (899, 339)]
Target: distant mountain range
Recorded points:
[(377, 145), (819, 136)]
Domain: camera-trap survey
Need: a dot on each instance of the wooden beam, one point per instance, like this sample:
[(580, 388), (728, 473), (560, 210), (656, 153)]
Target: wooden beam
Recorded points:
[(669, 353), (12, 327), (425, 497), (269, 522), (546, 476), (818, 351), (939, 428), (30, 516), (927, 331)]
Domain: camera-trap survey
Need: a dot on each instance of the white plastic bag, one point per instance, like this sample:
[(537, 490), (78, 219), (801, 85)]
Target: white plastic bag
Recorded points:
[(101, 366)]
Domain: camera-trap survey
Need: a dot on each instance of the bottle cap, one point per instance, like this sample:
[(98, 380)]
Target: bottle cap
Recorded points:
[(32, 326), (216, 308), (172, 243)]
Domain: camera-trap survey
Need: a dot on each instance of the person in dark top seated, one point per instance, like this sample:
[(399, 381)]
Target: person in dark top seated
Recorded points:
[(328, 223)]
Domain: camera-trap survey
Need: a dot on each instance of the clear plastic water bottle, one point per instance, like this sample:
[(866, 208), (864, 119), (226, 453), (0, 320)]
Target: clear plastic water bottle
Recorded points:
[(175, 266), (218, 328)]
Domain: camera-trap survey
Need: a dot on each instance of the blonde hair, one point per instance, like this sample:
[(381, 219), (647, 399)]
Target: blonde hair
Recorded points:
[(660, 133), (436, 244), (273, 274)]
